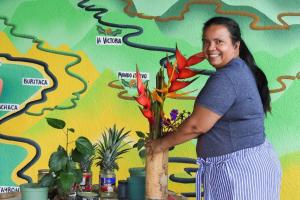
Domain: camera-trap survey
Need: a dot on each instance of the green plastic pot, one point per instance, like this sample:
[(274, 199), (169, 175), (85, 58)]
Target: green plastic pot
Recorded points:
[(136, 183), (32, 191)]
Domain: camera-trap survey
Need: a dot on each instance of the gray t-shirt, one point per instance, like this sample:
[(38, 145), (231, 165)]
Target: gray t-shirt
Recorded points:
[(231, 92)]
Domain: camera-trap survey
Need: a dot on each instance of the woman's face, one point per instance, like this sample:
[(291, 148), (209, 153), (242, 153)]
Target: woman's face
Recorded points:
[(218, 47)]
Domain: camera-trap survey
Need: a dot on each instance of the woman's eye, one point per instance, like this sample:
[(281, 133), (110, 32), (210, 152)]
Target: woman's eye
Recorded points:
[(219, 42)]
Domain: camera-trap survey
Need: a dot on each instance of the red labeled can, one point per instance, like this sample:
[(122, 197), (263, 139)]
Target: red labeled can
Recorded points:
[(86, 182)]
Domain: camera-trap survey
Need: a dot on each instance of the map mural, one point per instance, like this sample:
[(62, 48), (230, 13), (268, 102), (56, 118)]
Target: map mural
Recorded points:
[(76, 61)]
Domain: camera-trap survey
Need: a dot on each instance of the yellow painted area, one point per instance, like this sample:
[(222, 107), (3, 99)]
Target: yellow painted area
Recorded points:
[(66, 84), (290, 183)]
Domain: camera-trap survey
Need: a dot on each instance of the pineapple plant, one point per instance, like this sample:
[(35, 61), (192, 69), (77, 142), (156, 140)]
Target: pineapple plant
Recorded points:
[(108, 150)]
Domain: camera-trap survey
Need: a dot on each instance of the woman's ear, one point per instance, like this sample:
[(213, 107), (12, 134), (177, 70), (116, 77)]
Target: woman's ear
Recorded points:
[(237, 48), (237, 45)]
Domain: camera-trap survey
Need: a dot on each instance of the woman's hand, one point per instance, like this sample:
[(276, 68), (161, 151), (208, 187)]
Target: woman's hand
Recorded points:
[(154, 146)]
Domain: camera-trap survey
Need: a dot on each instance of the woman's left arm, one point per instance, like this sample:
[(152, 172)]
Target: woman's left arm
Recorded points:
[(199, 122)]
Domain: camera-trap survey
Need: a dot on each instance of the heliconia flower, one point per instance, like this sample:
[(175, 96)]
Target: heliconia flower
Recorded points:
[(148, 114), (181, 60), (195, 59), (140, 85), (177, 85), (171, 71), (181, 70), (156, 96), (176, 95), (186, 73), (143, 98)]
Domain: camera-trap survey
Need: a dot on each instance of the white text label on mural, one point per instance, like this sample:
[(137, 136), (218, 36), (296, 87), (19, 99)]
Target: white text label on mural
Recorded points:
[(108, 40), (7, 189), (35, 82), (9, 107), (131, 75)]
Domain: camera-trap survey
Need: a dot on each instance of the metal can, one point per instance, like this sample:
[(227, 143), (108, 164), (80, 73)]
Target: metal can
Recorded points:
[(42, 173), (86, 182), (87, 196)]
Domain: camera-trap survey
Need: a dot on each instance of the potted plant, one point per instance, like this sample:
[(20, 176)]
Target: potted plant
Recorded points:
[(108, 150), (31, 191), (152, 103), (87, 175), (64, 171)]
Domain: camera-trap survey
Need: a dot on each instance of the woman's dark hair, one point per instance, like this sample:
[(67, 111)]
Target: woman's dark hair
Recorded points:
[(260, 77)]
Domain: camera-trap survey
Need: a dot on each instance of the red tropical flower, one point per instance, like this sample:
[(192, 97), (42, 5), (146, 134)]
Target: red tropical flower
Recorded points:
[(177, 74), (182, 70), (143, 98)]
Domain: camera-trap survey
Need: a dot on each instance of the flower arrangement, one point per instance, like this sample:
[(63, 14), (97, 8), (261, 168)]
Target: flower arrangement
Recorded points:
[(152, 102), (169, 125), (180, 75)]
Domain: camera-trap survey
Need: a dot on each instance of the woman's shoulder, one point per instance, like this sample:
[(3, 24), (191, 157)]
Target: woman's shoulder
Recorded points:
[(235, 67)]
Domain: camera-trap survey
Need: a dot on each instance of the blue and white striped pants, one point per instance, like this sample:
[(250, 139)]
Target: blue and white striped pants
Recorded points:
[(248, 174)]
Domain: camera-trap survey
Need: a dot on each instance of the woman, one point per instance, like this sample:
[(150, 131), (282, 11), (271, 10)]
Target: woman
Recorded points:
[(236, 162)]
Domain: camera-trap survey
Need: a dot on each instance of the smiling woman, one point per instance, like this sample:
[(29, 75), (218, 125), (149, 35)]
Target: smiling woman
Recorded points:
[(235, 159)]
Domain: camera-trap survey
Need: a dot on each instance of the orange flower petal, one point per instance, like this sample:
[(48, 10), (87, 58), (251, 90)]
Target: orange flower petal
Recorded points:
[(157, 97), (175, 95), (177, 85)]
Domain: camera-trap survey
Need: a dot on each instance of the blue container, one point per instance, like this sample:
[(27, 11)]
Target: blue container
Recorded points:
[(136, 183)]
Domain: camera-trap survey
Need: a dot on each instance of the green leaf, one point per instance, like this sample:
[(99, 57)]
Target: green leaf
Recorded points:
[(142, 154), (71, 130), (140, 144), (66, 181), (76, 155), (71, 165), (140, 134), (125, 83), (58, 159), (77, 175), (47, 181), (84, 146), (135, 145), (56, 123)]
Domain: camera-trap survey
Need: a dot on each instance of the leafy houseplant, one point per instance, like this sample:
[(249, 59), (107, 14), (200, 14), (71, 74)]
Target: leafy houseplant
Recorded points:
[(152, 103), (108, 150), (64, 170)]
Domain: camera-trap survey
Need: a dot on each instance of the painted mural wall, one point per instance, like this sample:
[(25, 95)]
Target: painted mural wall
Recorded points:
[(69, 60)]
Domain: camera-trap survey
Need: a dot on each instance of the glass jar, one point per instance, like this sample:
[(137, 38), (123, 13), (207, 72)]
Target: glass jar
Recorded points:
[(107, 183), (86, 181), (42, 173)]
